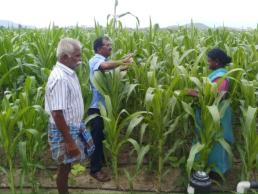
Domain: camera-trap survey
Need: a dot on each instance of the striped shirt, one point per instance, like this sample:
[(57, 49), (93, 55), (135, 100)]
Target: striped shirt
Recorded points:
[(63, 92)]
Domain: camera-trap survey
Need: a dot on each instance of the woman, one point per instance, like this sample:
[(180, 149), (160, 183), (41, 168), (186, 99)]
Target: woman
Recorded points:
[(217, 60)]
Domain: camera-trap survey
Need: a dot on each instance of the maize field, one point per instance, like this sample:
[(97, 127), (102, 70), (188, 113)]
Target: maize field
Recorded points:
[(147, 114)]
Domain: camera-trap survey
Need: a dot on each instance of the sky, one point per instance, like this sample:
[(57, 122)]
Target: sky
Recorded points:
[(40, 13)]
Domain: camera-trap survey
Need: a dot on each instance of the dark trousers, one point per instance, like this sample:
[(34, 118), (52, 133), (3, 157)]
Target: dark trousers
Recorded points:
[(97, 127)]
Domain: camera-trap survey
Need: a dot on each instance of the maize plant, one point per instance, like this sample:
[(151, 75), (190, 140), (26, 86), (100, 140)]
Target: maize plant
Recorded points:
[(116, 119), (249, 151), (162, 122), (11, 133), (141, 151), (208, 127), (115, 86), (114, 125)]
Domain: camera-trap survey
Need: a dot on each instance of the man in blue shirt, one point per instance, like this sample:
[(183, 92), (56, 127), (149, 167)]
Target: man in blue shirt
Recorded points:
[(102, 48)]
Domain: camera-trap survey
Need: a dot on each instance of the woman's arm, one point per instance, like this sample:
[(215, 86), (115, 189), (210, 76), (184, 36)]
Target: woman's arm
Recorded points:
[(192, 92)]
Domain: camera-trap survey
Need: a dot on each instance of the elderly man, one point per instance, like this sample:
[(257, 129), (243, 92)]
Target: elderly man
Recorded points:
[(102, 48), (64, 104)]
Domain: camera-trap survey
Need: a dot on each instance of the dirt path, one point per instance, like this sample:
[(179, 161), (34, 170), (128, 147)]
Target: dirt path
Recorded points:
[(174, 181)]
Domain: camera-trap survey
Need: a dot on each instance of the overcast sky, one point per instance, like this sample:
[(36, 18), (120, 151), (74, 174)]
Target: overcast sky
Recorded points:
[(232, 13)]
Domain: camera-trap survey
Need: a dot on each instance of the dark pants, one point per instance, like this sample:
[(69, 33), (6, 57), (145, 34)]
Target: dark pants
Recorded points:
[(97, 127)]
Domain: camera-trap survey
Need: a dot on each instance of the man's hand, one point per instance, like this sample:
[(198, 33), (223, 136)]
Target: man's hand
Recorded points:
[(60, 122), (72, 149), (130, 55), (128, 59)]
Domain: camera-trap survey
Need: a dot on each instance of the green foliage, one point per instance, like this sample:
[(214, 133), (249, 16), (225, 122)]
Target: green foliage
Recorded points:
[(146, 107)]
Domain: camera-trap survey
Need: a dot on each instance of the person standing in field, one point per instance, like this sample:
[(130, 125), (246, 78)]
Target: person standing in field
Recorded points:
[(217, 61), (64, 104), (99, 62)]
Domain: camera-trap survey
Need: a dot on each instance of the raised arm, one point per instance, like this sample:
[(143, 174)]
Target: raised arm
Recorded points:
[(107, 65)]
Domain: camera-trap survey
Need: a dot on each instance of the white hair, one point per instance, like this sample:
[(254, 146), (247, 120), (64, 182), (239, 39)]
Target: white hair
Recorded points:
[(67, 46)]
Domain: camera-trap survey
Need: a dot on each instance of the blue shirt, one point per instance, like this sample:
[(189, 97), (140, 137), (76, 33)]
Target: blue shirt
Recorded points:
[(94, 64)]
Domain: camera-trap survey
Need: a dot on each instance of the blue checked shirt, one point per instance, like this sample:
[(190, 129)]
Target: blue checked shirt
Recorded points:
[(94, 64)]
